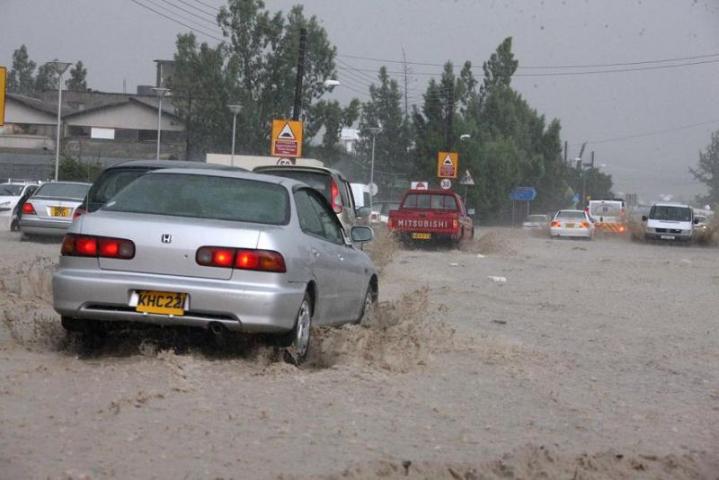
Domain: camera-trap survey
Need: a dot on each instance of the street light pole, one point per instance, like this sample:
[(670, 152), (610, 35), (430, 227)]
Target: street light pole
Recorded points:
[(60, 67), (235, 109), (373, 131), (160, 92)]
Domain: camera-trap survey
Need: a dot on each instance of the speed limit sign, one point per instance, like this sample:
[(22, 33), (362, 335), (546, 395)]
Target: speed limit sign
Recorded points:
[(446, 184)]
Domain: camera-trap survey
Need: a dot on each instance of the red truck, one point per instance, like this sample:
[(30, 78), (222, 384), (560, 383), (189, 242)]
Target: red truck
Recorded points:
[(431, 214)]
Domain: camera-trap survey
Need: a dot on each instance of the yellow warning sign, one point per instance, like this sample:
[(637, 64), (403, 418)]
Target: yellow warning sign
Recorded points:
[(286, 138), (3, 85), (447, 164)]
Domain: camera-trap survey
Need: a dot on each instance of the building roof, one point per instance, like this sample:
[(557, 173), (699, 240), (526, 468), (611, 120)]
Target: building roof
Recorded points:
[(34, 103)]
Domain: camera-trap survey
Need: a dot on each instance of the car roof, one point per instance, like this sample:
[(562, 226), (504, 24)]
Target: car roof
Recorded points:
[(298, 168), (157, 164), (669, 204), (434, 191), (242, 174), (64, 182), (570, 211)]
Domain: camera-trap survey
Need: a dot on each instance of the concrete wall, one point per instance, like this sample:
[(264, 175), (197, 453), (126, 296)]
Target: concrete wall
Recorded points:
[(130, 116)]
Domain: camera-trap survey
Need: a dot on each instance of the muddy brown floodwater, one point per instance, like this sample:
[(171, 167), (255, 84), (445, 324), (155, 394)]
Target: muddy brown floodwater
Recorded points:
[(514, 357)]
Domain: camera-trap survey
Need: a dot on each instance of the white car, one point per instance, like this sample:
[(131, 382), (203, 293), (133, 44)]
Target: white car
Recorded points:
[(535, 222), (10, 195), (571, 223)]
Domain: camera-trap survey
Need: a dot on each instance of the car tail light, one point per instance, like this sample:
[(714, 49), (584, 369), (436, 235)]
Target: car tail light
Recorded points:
[(584, 224), (242, 259), (336, 197), (556, 223), (621, 229), (28, 209), (102, 247), (455, 224), (390, 223), (78, 211)]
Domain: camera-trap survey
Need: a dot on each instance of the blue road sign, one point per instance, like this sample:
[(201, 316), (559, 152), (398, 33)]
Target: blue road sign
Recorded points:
[(523, 194)]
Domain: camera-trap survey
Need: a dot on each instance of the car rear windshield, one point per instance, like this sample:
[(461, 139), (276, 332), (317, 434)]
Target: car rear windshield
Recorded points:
[(430, 201), (74, 191), (667, 212), (605, 210), (536, 218), (319, 181), (10, 190), (204, 196), (571, 215), (109, 183)]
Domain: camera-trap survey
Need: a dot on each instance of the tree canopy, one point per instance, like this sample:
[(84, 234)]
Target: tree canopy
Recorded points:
[(707, 170)]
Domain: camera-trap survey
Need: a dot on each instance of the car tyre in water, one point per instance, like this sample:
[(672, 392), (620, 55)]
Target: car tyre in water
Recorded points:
[(298, 340), (76, 325), (369, 307)]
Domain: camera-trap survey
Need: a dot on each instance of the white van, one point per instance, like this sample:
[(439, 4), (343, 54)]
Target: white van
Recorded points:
[(669, 221)]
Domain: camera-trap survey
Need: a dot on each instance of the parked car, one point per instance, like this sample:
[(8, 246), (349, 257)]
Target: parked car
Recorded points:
[(13, 195), (536, 222), (331, 183), (669, 221), (219, 250), (431, 214), (118, 176), (49, 211), (572, 224)]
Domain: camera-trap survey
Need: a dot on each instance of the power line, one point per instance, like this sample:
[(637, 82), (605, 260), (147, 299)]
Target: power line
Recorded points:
[(195, 7), (544, 67), (651, 134), (189, 12), (179, 22)]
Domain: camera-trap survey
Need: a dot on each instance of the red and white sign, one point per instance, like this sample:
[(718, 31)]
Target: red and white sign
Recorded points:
[(446, 184), (419, 186)]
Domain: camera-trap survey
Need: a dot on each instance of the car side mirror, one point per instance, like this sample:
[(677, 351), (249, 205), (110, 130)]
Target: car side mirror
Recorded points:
[(644, 218), (361, 234), (696, 221), (363, 212)]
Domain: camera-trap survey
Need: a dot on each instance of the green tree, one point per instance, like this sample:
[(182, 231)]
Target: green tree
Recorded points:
[(332, 117), (46, 78), (20, 77), (78, 78), (384, 110), (707, 170), (72, 169), (254, 68)]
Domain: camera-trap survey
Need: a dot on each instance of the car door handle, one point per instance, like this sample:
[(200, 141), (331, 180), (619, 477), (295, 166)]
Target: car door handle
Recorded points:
[(315, 252)]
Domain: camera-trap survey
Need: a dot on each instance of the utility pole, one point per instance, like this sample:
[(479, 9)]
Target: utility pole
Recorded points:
[(450, 119), (566, 147), (405, 70), (188, 127), (297, 110)]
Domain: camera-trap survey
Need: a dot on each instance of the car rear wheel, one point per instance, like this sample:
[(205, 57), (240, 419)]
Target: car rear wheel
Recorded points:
[(299, 338)]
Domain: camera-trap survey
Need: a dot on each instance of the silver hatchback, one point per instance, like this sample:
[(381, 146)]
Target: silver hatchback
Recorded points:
[(218, 250)]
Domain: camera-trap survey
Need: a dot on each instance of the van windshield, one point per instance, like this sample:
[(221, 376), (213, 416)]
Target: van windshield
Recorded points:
[(671, 213)]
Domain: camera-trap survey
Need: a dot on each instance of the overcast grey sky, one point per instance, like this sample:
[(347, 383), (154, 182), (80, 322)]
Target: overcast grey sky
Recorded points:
[(118, 40)]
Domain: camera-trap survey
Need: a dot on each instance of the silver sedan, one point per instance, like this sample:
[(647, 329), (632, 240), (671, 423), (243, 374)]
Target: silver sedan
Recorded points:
[(218, 250), (50, 209)]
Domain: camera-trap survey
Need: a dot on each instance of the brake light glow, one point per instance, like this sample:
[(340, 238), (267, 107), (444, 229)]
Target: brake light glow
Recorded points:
[(584, 225), (78, 211), (556, 223), (455, 224), (242, 259), (28, 209), (101, 247), (336, 197)]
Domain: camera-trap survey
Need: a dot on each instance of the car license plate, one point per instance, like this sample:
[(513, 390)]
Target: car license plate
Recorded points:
[(569, 225), (421, 236), (60, 211), (166, 303), (668, 237)]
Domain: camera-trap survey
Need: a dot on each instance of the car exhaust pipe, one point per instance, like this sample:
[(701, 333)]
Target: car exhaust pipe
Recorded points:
[(217, 329), (218, 334)]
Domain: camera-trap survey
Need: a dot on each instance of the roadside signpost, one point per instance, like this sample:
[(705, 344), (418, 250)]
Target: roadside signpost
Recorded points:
[(419, 185), (446, 184), (522, 194), (447, 164), (287, 139), (467, 181), (3, 84)]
